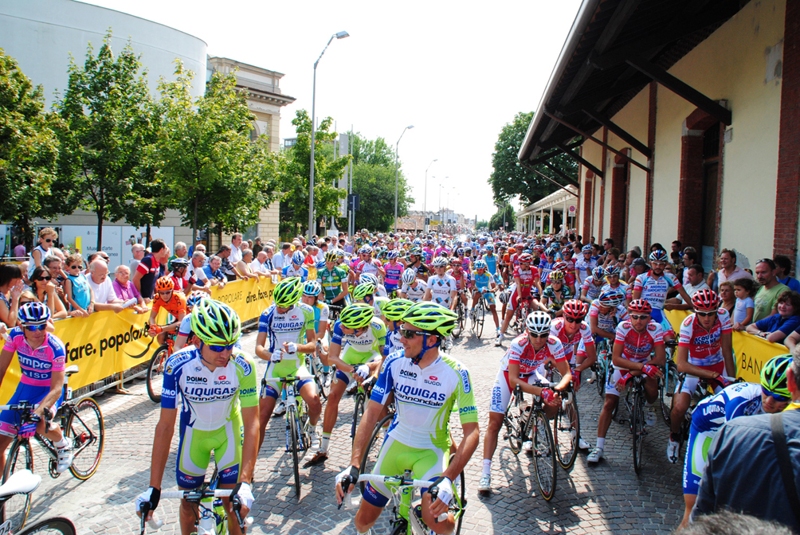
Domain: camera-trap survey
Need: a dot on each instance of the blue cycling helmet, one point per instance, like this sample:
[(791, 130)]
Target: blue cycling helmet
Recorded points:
[(312, 287), (33, 314), (658, 256), (298, 258), (598, 273)]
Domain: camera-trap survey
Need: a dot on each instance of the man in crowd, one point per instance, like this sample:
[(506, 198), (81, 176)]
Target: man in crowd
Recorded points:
[(150, 268), (284, 258), (728, 270), (137, 250), (197, 276), (784, 264), (767, 297), (104, 296), (696, 282)]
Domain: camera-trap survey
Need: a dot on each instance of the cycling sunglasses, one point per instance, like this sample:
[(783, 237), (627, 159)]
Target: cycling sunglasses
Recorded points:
[(705, 314), (219, 349), (410, 334), (574, 320), (35, 328), (775, 397), (538, 335), (639, 316)]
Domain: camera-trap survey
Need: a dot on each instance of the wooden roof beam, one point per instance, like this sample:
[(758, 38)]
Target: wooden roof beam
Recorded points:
[(620, 132), (561, 173), (578, 158)]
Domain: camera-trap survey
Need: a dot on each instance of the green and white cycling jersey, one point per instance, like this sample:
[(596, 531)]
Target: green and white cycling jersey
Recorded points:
[(291, 326), (424, 399), (331, 280), (362, 348)]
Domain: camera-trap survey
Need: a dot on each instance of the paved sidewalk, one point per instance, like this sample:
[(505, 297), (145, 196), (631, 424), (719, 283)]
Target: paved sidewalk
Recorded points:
[(607, 498)]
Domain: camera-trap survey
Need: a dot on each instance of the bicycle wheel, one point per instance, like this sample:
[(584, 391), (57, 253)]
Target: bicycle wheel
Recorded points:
[(86, 432), (514, 422), (638, 429), (373, 449), (55, 525), (666, 391), (459, 501), (480, 317), (320, 379), (566, 430), (600, 369), (460, 322), (544, 454), (17, 507), (358, 412), (155, 373), (293, 422)]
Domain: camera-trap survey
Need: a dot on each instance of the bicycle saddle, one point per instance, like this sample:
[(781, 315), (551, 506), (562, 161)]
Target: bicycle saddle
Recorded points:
[(21, 482)]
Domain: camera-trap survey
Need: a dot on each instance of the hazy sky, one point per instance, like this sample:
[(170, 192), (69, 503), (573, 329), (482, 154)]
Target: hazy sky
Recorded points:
[(457, 71)]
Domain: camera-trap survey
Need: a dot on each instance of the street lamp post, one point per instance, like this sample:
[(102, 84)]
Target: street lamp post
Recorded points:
[(339, 35), (397, 172), (425, 195)]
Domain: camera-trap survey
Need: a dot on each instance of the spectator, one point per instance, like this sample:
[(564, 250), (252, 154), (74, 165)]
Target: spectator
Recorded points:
[(696, 283), (224, 254), (728, 270), (767, 296), (727, 297), (638, 267), (676, 246), (150, 268), (11, 287), (126, 291), (743, 471), (236, 250), (197, 275), (777, 327), (284, 258), (23, 266), (47, 240), (657, 247), (103, 289), (213, 271), (201, 247), (55, 266), (243, 266), (784, 270), (77, 291), (744, 290), (269, 262), (181, 251), (20, 251), (688, 259), (44, 289), (258, 266), (257, 247), (138, 252)]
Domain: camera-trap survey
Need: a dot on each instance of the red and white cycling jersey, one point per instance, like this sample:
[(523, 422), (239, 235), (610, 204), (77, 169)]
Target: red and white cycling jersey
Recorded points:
[(526, 279), (369, 267), (654, 290), (529, 360), (705, 348), (637, 346), (608, 322), (583, 336)]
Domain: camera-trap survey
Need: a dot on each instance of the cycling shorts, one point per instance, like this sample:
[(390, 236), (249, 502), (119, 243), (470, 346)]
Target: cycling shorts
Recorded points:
[(690, 382), (488, 297), (613, 378), (501, 391), (11, 420), (271, 389), (515, 300), (395, 458), (194, 453), (696, 458)]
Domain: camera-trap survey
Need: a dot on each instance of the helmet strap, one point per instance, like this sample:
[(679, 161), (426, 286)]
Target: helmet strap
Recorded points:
[(416, 360)]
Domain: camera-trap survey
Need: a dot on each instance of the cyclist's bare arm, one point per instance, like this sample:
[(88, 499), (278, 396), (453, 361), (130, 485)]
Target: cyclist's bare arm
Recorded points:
[(56, 386), (162, 440), (261, 349), (250, 446), (311, 342), (726, 342), (621, 362), (365, 427), (464, 452), (5, 360), (180, 342), (340, 298)]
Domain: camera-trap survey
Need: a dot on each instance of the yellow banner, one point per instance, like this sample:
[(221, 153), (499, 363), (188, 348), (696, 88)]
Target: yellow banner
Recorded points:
[(107, 343), (750, 352)]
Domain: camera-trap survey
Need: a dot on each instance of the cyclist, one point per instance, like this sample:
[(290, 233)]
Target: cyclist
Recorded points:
[(484, 289), (356, 349), (394, 271), (556, 293), (426, 384), (216, 384), (462, 278), (413, 288), (185, 330), (491, 260), (393, 312), (525, 280), (296, 268), (42, 360), (415, 262), (576, 337), (371, 278), (367, 264), (173, 302), (334, 280), (705, 351), (286, 329), (584, 266), (739, 399), (593, 284), (442, 287), (636, 339), (523, 365), (605, 313), (653, 286), (180, 279)]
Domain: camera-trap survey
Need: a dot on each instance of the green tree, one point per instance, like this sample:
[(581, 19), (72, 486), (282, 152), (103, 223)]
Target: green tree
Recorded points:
[(28, 150), (104, 133), (504, 212), (373, 152), (295, 178), (510, 178), (216, 176), (482, 225)]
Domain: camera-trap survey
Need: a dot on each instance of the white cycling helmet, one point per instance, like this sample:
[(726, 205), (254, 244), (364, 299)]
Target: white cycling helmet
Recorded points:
[(409, 276), (368, 277), (440, 261), (538, 322)]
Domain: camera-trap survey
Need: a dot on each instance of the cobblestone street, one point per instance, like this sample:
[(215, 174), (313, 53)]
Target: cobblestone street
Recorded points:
[(607, 498)]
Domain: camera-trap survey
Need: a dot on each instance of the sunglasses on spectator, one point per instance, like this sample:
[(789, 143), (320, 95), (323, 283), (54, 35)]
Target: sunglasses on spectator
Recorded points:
[(538, 335), (35, 328), (410, 334), (220, 349), (45, 278), (76, 266), (639, 317), (776, 397), (573, 320), (49, 240), (705, 314)]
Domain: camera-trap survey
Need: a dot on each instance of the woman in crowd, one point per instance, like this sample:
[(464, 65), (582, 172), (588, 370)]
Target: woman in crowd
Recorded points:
[(44, 289), (777, 327), (11, 287)]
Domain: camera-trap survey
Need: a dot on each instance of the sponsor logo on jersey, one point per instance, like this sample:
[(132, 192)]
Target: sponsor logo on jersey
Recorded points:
[(247, 392), (209, 393), (167, 393), (34, 363), (378, 390), (420, 393), (651, 327), (465, 380), (712, 408), (221, 378), (430, 382), (471, 408), (190, 379), (222, 382), (241, 361), (408, 375)]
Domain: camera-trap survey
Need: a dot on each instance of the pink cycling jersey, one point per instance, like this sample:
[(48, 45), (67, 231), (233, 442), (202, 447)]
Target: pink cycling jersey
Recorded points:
[(582, 335), (37, 365), (705, 348), (637, 346), (522, 352)]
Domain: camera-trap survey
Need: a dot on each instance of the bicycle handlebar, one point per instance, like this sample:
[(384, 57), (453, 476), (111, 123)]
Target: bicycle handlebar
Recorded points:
[(195, 496)]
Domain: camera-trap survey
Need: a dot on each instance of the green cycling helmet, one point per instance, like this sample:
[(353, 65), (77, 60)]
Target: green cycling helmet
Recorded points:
[(215, 323), (363, 290), (396, 308), (773, 375), (288, 292), (356, 315), (431, 317)]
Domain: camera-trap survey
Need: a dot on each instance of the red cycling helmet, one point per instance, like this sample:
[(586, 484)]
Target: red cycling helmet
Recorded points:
[(705, 300), (574, 309), (525, 258), (641, 306)]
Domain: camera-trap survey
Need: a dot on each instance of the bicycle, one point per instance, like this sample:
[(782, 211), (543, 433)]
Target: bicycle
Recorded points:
[(516, 420), (155, 369), (363, 392), (82, 424), (407, 516), (600, 367), (543, 447), (461, 311), (22, 484), (567, 429), (521, 313), (321, 378), (635, 403), (700, 392), (298, 427), (667, 384), (478, 316)]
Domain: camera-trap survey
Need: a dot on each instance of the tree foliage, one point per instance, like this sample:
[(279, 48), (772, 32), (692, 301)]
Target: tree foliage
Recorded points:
[(496, 221), (104, 134), (510, 178), (28, 150), (296, 176), (216, 176)]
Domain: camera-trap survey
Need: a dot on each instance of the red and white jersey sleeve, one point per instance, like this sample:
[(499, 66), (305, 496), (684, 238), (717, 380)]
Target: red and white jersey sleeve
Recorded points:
[(529, 360), (705, 347), (637, 346)]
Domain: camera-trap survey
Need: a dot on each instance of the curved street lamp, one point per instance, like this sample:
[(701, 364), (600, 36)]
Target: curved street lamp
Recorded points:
[(396, 172)]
